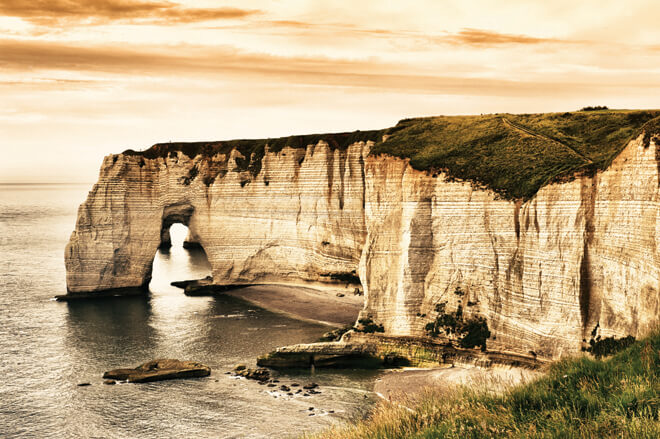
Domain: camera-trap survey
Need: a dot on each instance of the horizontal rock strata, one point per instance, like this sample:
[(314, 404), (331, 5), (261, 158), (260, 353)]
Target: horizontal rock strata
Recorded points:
[(577, 261), (299, 220), (377, 351)]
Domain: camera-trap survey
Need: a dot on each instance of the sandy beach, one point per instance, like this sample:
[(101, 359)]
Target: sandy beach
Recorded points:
[(317, 305), (403, 384)]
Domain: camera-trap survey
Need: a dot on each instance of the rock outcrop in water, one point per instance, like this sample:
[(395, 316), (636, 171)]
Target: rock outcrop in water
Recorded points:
[(159, 370), (437, 257)]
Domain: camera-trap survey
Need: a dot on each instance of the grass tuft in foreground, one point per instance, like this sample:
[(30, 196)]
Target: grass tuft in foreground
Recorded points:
[(618, 397)]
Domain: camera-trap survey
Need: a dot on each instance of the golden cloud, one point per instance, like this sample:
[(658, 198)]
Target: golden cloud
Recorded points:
[(51, 12), (218, 63), (479, 37)]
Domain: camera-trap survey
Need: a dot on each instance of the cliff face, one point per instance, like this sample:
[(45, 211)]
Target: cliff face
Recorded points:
[(300, 219), (542, 274)]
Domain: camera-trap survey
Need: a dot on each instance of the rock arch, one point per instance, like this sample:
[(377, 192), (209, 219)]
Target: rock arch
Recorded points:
[(300, 220), (174, 214), (117, 258)]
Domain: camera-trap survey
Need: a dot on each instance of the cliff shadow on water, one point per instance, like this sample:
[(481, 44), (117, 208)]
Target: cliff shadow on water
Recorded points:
[(106, 328)]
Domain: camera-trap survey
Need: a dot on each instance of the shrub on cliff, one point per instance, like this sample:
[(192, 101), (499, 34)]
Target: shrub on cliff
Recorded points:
[(470, 332), (577, 398), (595, 108), (347, 277), (368, 326), (607, 346)]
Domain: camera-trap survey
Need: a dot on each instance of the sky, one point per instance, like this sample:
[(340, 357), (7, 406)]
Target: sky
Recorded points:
[(80, 79)]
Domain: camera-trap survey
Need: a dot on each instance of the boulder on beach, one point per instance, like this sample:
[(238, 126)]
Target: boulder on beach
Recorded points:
[(158, 370), (260, 374)]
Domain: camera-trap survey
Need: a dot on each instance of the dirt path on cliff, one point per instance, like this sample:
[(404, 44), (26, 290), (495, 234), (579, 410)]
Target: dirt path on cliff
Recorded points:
[(303, 303), (529, 132)]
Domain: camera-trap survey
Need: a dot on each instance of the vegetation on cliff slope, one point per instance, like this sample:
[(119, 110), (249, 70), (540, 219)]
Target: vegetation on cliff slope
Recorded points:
[(515, 154), (512, 154), (253, 150), (618, 397)]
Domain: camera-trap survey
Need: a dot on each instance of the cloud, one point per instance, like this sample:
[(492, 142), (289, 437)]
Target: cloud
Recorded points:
[(477, 38), (481, 38), (227, 63), (51, 12), (38, 55)]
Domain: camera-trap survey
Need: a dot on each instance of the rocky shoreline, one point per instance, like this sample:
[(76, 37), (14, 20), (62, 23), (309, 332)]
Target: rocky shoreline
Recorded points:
[(364, 350), (263, 377), (410, 366)]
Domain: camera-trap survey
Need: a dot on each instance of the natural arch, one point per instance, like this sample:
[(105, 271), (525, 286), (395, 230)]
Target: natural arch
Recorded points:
[(265, 228), (176, 213), (178, 262)]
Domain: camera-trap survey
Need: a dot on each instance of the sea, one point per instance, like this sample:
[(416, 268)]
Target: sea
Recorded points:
[(48, 348)]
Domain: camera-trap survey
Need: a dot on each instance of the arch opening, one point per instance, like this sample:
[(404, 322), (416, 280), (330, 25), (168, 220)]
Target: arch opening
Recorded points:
[(180, 257), (174, 214), (181, 263)]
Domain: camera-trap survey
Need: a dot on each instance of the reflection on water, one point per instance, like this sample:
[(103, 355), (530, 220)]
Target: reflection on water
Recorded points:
[(49, 347), (107, 330)]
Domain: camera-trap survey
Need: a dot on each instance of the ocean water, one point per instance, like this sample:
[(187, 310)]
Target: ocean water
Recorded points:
[(48, 347)]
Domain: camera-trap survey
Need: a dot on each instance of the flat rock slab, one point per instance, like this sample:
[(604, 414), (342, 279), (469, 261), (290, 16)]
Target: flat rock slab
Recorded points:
[(204, 287), (208, 280), (159, 370)]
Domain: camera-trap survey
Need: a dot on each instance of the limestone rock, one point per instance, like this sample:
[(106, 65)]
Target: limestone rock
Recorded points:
[(302, 216), (544, 273), (159, 370), (260, 374)]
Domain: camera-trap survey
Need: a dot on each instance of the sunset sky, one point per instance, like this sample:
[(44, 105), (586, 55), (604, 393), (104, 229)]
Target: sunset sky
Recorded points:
[(80, 79)]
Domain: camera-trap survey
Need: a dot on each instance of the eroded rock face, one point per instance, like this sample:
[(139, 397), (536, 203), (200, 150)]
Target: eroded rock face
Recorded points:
[(300, 219), (544, 274), (578, 259)]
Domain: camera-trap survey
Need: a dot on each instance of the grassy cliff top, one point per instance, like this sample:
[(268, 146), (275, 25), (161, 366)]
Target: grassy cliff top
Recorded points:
[(512, 154), (253, 149), (515, 154)]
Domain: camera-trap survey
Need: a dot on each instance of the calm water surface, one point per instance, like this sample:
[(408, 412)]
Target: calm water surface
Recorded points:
[(47, 347)]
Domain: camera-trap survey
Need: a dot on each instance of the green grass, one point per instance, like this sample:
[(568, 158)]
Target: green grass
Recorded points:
[(512, 154), (618, 397), (515, 155)]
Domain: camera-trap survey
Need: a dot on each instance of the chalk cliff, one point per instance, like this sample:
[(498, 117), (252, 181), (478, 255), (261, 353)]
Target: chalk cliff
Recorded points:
[(543, 273), (577, 260), (301, 218)]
